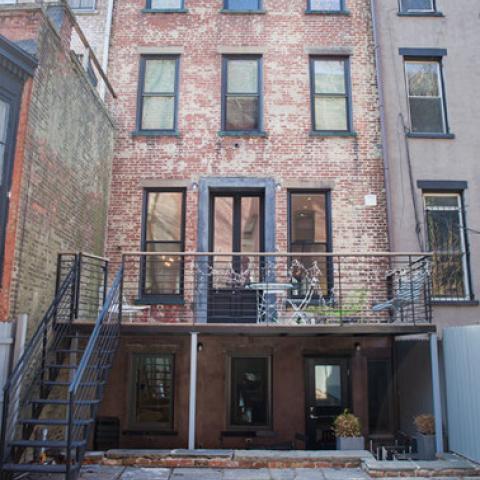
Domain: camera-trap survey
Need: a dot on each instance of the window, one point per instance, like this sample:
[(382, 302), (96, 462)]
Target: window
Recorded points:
[(330, 94), (164, 230), (82, 4), (242, 5), (309, 233), (242, 94), (414, 6), (326, 5), (165, 4), (152, 391), (5, 170), (158, 97), (250, 392), (445, 228), (425, 96), (328, 385)]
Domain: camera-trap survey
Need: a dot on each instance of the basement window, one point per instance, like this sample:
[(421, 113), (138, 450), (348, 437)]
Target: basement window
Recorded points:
[(165, 5), (325, 6), (242, 5), (417, 6), (82, 5)]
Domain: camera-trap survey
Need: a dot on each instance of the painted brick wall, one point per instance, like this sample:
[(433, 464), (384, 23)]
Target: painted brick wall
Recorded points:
[(63, 187), (351, 167)]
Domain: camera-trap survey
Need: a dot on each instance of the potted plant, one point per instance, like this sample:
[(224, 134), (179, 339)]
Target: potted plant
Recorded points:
[(425, 425), (348, 432)]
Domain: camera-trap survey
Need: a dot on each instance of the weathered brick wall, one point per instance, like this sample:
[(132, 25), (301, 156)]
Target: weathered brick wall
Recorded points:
[(68, 146), (350, 166)]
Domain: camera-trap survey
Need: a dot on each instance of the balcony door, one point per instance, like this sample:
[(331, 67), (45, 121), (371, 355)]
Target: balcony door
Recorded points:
[(237, 226)]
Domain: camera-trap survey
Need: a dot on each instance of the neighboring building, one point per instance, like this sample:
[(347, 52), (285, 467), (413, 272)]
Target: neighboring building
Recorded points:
[(429, 52), (57, 143)]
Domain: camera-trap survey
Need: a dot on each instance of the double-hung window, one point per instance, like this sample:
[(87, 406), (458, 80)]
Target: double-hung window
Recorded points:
[(164, 234), (426, 98), (158, 94), (446, 236), (417, 6), (325, 5), (331, 98), (167, 5), (242, 94), (243, 5), (82, 5)]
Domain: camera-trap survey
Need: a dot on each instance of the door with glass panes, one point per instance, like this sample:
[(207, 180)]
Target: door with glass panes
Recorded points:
[(237, 225)]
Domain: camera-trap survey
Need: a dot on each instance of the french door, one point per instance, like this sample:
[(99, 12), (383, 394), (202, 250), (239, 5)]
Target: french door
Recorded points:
[(237, 226)]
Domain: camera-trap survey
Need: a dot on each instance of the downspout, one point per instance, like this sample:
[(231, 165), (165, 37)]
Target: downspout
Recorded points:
[(383, 132), (106, 44)]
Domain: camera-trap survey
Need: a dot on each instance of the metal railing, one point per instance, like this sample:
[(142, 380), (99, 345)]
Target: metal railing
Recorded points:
[(276, 288)]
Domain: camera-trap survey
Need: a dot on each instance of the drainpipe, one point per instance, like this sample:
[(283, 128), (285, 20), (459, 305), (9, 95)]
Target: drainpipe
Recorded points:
[(192, 410), (106, 44), (437, 396), (381, 101)]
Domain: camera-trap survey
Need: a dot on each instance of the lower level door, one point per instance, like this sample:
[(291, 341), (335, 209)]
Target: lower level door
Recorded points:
[(327, 395)]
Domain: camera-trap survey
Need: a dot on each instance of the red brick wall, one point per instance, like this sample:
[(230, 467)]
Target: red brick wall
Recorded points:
[(352, 165)]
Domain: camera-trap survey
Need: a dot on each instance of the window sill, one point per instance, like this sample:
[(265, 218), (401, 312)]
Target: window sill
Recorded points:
[(315, 133), (345, 13), (164, 10), (447, 303), (420, 14), (226, 133), (243, 12), (155, 133), (144, 432), (160, 300), (432, 136)]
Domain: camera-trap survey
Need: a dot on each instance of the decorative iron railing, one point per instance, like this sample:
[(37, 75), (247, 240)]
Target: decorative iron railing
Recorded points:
[(276, 288)]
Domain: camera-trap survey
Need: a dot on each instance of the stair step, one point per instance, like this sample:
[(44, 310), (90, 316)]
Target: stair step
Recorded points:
[(37, 468), (53, 383), (47, 443), (53, 422), (43, 401)]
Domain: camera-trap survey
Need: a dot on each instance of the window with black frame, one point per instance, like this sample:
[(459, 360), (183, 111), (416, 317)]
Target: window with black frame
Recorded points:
[(152, 396), (242, 99), (417, 6), (446, 236), (163, 232), (250, 392), (309, 234)]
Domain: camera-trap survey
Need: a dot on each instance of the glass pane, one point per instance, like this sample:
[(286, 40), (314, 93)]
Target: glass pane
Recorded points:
[(154, 389), (329, 76), (442, 201), (242, 76), (328, 385), (308, 217), (417, 5), (448, 276), (163, 274), (158, 113), (222, 240), (249, 392), (242, 113), (243, 4), (4, 115), (427, 115), (444, 230), (164, 216), (423, 79), (173, 4), (379, 396), (250, 224), (331, 113), (325, 4), (160, 76)]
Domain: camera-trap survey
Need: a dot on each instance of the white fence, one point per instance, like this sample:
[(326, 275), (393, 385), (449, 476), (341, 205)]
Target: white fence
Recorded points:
[(462, 376), (6, 343)]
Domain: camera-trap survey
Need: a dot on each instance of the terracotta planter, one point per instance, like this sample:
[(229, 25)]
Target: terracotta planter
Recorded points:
[(350, 443)]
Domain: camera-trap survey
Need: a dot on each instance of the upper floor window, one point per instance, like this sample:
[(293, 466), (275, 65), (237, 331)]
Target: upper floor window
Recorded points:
[(426, 97), (446, 236), (326, 5), (243, 5), (82, 4), (242, 99), (163, 231), (417, 6), (165, 4), (331, 99), (158, 94)]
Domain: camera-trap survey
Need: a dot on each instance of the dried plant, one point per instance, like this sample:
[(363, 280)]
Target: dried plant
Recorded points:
[(347, 425), (425, 424)]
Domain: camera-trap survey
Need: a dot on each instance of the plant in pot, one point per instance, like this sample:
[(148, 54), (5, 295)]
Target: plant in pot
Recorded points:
[(425, 425), (348, 432)]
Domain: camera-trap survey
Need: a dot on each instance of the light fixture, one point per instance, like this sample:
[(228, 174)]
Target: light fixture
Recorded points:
[(194, 186), (200, 347), (358, 347), (278, 187)]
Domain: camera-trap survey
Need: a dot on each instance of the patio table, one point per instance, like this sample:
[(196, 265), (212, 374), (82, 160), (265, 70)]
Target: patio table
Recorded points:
[(264, 289)]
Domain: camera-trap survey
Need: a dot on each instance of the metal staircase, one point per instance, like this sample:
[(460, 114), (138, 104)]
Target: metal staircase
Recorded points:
[(52, 396)]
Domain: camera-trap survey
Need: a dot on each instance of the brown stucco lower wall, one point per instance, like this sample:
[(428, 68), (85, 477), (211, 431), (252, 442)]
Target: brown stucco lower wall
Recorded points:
[(288, 384)]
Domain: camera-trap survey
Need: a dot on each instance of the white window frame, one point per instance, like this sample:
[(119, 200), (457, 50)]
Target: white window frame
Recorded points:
[(417, 10), (440, 91), (463, 251)]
